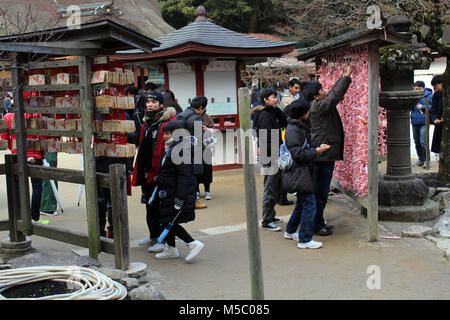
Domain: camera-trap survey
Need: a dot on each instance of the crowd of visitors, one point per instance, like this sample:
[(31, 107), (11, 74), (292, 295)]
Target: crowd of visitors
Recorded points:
[(302, 120)]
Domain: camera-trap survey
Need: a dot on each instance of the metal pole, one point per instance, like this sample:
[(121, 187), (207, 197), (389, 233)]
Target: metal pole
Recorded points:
[(427, 138), (251, 206)]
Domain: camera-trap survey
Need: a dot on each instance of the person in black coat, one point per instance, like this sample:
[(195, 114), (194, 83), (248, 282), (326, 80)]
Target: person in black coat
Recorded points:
[(191, 120), (437, 114), (269, 122), (299, 177), (176, 194)]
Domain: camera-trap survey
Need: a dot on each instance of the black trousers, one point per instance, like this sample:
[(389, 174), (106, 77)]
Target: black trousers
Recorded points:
[(180, 232), (36, 196)]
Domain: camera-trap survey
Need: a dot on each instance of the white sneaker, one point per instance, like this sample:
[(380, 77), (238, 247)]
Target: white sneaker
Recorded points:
[(54, 213), (291, 236), (310, 245), (168, 253), (208, 196), (195, 246), (157, 247), (272, 226), (198, 195), (147, 242)]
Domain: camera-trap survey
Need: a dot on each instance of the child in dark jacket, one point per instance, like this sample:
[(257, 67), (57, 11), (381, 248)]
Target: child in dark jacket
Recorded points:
[(176, 194), (299, 177)]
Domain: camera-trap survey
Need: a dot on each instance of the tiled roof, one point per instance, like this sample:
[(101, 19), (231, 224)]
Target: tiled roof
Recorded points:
[(142, 16), (347, 38), (208, 33)]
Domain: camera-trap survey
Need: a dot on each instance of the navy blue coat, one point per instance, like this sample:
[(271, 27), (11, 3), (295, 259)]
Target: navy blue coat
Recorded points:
[(418, 117)]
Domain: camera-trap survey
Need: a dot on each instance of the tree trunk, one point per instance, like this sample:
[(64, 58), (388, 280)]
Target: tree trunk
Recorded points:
[(254, 24), (444, 156)]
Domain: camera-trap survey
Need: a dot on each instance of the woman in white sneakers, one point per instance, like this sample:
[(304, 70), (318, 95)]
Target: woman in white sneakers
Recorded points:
[(176, 194), (299, 177)]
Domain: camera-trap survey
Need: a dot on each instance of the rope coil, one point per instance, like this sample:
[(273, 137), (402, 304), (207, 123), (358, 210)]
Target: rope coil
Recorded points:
[(87, 283)]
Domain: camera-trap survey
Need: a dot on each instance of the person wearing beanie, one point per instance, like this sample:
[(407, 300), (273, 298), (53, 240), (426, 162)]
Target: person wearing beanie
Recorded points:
[(176, 194), (191, 117), (146, 167), (326, 127), (298, 178), (269, 122), (418, 114)]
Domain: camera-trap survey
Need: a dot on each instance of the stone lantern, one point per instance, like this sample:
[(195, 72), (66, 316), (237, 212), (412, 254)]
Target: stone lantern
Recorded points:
[(402, 196)]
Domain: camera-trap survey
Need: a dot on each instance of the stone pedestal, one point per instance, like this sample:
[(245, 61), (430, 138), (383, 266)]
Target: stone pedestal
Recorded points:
[(401, 196), (14, 248)]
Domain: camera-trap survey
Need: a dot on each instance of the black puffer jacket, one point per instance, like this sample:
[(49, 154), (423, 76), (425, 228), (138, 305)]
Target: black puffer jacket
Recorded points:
[(176, 181), (189, 117), (298, 142), (326, 123), (269, 118)]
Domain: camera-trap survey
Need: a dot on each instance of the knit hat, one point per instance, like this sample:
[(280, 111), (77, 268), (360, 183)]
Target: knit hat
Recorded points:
[(156, 95), (298, 108)]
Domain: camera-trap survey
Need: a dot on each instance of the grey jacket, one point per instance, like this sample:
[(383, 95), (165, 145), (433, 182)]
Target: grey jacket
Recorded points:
[(326, 124)]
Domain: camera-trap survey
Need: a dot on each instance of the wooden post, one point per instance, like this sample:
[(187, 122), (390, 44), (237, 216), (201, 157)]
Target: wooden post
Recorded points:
[(372, 198), (21, 144), (251, 205), (427, 137), (12, 189), (118, 182), (87, 111)]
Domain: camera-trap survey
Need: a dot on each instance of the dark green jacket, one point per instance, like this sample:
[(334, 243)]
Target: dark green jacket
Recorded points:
[(326, 124)]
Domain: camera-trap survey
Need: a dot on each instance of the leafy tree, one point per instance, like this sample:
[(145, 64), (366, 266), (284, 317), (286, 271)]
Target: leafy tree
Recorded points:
[(312, 21), (238, 15)]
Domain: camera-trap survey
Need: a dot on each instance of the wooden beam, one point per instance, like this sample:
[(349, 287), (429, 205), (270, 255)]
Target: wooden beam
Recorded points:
[(63, 175), (70, 134), (372, 197), (118, 176), (70, 44), (87, 106), (68, 236), (21, 146), (361, 201), (52, 87), (35, 48), (61, 63)]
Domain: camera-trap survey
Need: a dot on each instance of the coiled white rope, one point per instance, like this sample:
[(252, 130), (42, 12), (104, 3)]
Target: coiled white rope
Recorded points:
[(87, 283)]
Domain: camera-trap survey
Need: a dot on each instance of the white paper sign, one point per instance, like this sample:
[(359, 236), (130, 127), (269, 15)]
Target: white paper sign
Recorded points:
[(221, 66)]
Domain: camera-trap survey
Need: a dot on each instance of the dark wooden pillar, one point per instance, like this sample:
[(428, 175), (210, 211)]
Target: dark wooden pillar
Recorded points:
[(21, 145), (118, 183), (199, 79), (12, 187)]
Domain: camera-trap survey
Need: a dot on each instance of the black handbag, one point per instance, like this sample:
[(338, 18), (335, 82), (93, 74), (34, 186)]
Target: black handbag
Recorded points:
[(297, 179)]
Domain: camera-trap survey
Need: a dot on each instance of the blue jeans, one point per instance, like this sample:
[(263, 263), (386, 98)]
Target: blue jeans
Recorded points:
[(303, 215), (419, 136), (323, 173)]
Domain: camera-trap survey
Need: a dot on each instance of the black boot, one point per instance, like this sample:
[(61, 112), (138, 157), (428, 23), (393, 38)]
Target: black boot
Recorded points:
[(283, 200)]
